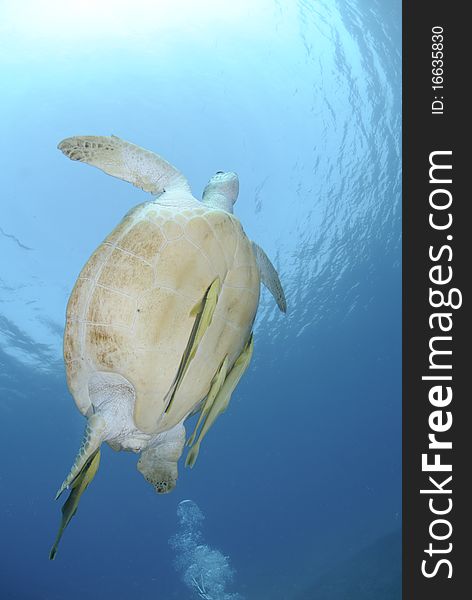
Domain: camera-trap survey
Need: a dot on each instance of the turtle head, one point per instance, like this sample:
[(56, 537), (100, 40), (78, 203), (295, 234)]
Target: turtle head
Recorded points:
[(222, 190)]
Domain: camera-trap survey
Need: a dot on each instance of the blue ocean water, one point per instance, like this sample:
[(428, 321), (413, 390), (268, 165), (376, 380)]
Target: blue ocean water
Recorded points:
[(300, 480)]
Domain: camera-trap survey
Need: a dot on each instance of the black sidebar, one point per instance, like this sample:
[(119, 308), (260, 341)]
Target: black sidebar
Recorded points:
[(437, 254)]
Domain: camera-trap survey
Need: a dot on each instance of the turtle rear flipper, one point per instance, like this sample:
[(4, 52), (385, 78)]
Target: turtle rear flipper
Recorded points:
[(79, 485)]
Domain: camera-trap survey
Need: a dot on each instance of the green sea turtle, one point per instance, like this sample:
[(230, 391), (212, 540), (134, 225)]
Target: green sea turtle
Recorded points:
[(159, 322)]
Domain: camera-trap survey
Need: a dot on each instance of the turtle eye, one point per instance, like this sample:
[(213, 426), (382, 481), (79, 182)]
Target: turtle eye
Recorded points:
[(219, 172)]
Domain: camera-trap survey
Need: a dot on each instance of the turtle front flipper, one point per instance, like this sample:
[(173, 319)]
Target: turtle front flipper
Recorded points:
[(270, 277), (78, 486), (158, 463), (144, 169), (222, 399)]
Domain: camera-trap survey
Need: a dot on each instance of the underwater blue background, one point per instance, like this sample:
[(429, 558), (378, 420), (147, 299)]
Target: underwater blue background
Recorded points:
[(300, 481)]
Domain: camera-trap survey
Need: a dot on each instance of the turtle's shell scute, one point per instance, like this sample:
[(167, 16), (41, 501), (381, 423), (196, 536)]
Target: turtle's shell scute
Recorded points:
[(130, 310)]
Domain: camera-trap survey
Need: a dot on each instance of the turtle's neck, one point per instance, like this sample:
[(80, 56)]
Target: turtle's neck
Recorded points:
[(215, 200)]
